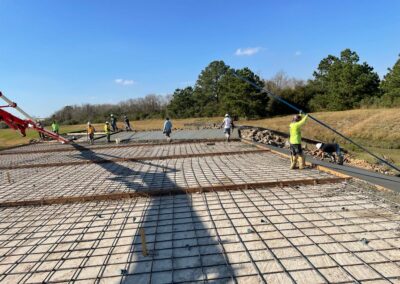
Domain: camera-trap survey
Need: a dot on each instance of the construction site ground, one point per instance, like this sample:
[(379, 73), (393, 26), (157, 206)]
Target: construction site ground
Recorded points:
[(195, 210)]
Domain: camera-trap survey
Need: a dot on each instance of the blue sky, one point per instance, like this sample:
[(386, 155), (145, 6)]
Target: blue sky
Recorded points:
[(59, 52)]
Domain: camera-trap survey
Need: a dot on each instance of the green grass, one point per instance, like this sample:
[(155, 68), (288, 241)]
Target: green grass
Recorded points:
[(11, 138)]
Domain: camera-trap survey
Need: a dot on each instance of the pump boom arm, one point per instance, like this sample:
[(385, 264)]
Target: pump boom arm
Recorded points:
[(17, 123)]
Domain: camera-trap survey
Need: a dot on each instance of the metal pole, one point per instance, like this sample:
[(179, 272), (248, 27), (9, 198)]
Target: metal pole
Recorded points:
[(14, 105)]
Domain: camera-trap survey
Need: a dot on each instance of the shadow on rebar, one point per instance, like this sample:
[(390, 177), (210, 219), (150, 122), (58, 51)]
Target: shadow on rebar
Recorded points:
[(179, 245)]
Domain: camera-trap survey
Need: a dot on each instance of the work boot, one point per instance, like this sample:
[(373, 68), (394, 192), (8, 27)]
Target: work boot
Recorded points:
[(302, 162), (340, 159), (293, 162)]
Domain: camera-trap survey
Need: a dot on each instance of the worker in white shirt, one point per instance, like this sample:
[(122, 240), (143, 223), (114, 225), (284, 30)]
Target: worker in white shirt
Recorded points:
[(228, 126)]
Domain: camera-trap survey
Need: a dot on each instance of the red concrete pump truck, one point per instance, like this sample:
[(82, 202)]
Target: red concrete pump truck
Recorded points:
[(22, 124)]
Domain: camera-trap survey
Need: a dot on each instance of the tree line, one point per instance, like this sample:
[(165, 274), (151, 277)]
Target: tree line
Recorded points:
[(150, 106), (339, 83)]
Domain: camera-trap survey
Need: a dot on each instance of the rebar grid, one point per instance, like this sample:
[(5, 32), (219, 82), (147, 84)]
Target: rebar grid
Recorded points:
[(97, 241), (380, 276), (130, 159), (367, 233), (76, 238), (298, 233), (142, 176), (83, 154)]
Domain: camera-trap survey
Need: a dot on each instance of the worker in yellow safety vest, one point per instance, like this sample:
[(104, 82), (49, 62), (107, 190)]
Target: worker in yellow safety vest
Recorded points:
[(90, 132), (107, 130), (55, 127), (295, 141)]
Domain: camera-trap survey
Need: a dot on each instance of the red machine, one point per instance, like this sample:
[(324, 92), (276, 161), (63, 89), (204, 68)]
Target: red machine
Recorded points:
[(22, 124)]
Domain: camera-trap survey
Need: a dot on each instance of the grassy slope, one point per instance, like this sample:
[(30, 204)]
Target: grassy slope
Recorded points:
[(377, 128)]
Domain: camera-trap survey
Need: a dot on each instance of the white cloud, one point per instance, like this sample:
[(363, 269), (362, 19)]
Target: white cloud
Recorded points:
[(248, 51), (186, 83), (124, 82), (297, 53)]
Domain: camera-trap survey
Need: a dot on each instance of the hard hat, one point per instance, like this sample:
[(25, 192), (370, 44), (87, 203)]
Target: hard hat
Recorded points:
[(318, 145), (88, 123), (106, 122), (226, 115), (112, 115)]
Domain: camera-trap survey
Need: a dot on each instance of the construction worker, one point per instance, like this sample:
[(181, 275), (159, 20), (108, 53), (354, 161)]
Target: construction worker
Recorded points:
[(167, 129), (90, 132), (127, 124), (295, 141), (107, 130), (114, 123), (227, 123), (55, 127), (40, 125), (330, 149)]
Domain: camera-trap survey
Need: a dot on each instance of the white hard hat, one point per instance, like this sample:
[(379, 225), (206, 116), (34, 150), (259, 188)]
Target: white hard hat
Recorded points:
[(106, 122), (226, 115), (88, 123), (318, 145)]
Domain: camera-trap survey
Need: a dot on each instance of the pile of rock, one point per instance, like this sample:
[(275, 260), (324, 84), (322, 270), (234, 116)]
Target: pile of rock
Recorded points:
[(265, 137), (369, 166)]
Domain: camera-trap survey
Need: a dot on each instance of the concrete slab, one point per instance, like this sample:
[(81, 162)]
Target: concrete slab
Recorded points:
[(175, 135)]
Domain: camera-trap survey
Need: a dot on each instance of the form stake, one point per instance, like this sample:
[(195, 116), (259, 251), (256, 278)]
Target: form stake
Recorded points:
[(144, 246)]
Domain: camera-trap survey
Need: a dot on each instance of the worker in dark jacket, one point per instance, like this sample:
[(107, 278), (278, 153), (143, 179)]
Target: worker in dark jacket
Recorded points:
[(41, 135), (127, 124), (167, 129), (295, 141), (330, 149), (113, 123)]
